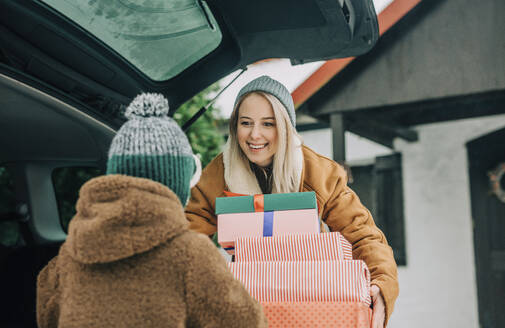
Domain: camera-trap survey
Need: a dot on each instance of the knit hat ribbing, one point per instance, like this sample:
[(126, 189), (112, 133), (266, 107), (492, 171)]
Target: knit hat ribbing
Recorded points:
[(275, 88), (152, 145)]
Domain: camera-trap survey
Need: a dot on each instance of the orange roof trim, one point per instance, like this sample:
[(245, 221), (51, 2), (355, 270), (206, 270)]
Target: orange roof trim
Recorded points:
[(387, 18)]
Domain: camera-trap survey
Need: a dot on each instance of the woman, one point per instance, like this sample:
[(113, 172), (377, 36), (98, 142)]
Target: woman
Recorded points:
[(264, 154)]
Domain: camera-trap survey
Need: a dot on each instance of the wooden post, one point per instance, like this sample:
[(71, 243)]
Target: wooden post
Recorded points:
[(338, 137)]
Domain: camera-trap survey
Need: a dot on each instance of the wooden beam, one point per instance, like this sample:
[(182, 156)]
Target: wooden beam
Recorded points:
[(338, 137), (371, 134), (381, 132), (407, 134)]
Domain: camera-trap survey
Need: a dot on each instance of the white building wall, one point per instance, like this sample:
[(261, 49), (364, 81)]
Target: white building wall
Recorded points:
[(438, 285)]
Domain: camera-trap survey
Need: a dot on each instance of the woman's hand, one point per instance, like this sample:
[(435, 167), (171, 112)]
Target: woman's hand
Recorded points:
[(379, 309)]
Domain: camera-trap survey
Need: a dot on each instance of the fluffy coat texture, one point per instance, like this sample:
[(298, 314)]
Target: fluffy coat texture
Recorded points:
[(339, 207), (130, 261)]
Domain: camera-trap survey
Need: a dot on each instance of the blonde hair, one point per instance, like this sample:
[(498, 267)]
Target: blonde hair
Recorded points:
[(285, 170)]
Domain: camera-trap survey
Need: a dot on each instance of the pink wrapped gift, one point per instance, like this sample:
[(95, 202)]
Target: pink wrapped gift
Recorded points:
[(265, 215), (236, 225), (328, 246), (306, 281), (317, 314)]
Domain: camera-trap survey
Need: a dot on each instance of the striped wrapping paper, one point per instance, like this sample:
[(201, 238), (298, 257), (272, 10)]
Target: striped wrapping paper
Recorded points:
[(305, 281), (329, 246)]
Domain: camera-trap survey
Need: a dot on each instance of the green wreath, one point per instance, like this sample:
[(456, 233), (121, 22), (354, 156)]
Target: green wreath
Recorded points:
[(495, 178)]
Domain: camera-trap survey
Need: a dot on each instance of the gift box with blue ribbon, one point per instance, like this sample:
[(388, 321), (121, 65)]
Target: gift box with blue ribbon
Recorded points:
[(265, 215)]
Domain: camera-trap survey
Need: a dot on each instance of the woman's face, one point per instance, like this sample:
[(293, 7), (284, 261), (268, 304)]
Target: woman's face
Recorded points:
[(256, 129)]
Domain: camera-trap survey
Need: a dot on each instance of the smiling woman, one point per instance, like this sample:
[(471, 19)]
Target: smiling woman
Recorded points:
[(256, 129), (262, 139), (264, 154)]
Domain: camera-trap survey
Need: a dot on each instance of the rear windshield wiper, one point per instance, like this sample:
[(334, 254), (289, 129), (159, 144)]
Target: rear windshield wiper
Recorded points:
[(202, 110)]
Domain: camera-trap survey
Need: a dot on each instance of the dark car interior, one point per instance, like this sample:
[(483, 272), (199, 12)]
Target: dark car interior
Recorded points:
[(38, 134), (62, 92)]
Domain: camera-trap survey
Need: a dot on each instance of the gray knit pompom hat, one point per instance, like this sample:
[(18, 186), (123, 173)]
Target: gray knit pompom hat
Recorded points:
[(152, 145), (275, 88)]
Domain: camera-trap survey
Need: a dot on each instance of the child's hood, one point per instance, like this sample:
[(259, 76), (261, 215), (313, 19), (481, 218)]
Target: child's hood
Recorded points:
[(119, 216)]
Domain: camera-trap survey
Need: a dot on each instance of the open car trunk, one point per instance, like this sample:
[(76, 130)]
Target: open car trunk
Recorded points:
[(100, 54)]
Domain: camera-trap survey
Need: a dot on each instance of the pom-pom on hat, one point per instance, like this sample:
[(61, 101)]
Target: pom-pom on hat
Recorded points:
[(152, 145), (275, 88)]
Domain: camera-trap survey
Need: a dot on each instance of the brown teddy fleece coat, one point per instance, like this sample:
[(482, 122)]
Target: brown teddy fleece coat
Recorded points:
[(130, 261), (339, 207)]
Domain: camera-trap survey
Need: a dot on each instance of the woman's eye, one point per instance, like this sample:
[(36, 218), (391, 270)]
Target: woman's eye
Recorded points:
[(269, 124), (244, 123)]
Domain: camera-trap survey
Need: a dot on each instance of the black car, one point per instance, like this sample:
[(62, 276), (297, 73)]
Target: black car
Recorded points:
[(67, 68)]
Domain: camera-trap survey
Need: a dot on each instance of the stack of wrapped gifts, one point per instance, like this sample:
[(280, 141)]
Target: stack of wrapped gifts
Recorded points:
[(302, 278)]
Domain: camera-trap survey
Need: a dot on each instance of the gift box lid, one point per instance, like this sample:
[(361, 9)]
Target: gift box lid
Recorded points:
[(269, 202)]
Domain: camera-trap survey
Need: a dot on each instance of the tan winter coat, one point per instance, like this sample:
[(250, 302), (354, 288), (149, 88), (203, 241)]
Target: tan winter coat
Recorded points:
[(130, 261), (339, 207)]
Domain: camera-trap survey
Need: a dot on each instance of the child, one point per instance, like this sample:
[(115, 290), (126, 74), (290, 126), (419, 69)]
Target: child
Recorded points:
[(129, 259)]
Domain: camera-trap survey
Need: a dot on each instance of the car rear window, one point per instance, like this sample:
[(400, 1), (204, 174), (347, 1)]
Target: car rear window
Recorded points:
[(161, 38), (9, 225), (67, 182)]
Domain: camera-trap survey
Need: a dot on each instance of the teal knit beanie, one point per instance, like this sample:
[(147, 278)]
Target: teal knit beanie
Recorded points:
[(152, 145), (275, 88)]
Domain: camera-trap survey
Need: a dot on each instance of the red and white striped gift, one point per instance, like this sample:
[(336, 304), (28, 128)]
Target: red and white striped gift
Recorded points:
[(307, 281), (329, 246)]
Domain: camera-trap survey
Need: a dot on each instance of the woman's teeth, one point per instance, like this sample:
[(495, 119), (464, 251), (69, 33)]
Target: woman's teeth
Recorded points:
[(257, 146)]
